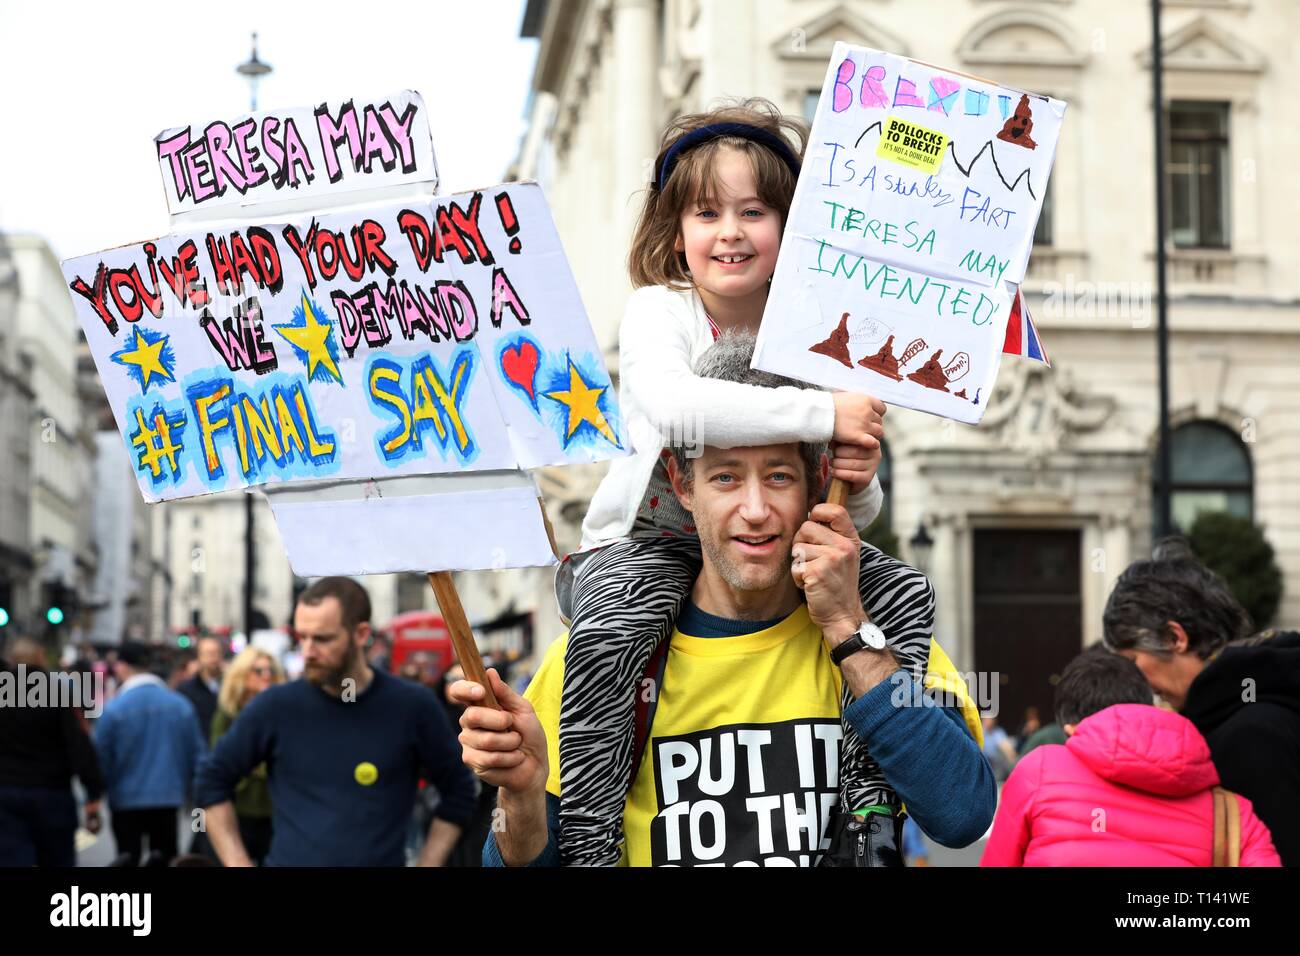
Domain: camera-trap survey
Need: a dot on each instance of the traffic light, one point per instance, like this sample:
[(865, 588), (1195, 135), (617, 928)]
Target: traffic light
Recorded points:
[(6, 595), (59, 602)]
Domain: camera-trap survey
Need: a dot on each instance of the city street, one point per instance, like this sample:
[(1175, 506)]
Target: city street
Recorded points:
[(756, 416)]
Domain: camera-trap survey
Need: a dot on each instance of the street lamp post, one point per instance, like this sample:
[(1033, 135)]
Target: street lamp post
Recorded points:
[(252, 69), (1163, 516), (921, 544)]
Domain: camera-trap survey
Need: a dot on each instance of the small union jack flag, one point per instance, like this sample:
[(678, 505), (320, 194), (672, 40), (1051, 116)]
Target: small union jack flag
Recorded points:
[(1022, 337)]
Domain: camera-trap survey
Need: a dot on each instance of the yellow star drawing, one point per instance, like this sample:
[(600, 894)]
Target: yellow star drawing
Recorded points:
[(312, 337), (148, 358), (581, 400)]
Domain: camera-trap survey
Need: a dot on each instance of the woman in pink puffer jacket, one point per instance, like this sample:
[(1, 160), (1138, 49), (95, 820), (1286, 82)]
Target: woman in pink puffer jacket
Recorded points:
[(1131, 787)]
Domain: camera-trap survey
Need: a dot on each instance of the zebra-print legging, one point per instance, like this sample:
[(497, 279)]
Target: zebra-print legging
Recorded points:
[(625, 599)]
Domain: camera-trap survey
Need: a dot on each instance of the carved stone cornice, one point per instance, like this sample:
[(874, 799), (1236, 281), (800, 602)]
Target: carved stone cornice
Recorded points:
[(1037, 411)]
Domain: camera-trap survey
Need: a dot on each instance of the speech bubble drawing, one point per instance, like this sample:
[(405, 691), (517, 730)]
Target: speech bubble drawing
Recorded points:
[(958, 367)]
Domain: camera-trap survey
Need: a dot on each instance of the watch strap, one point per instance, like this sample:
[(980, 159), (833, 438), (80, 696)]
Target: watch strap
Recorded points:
[(851, 646)]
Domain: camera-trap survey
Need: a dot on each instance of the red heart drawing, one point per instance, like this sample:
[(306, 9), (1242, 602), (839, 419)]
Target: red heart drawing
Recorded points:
[(519, 365)]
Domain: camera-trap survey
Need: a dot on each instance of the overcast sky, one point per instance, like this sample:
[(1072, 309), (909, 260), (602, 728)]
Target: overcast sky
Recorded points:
[(85, 87)]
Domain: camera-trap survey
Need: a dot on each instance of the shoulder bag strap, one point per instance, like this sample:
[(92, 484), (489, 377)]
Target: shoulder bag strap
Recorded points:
[(1227, 828)]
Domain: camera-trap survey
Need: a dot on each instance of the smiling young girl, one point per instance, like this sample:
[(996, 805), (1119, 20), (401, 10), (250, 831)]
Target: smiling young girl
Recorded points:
[(702, 258)]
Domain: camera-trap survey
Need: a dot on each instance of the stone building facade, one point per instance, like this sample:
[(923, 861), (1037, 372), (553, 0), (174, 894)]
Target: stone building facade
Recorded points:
[(1035, 512), (16, 564), (56, 438)]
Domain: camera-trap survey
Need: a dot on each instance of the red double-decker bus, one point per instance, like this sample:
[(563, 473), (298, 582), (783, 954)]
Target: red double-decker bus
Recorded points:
[(421, 636)]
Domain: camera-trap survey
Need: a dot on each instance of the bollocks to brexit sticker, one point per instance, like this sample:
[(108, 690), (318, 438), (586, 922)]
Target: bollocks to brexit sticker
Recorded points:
[(912, 145)]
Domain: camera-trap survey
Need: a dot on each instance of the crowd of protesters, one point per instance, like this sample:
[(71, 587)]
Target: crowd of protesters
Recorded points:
[(351, 765), (207, 759)]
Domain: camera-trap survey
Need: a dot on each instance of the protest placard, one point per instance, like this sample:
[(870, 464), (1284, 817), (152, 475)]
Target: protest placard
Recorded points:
[(326, 151), (911, 227), (341, 352)]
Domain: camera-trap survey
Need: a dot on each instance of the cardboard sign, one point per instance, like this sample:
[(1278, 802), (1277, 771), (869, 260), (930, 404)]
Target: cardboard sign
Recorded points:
[(910, 228), (392, 341), (382, 362), (299, 153)]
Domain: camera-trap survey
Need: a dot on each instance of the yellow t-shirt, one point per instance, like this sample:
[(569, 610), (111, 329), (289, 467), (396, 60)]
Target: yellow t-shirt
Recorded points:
[(742, 765)]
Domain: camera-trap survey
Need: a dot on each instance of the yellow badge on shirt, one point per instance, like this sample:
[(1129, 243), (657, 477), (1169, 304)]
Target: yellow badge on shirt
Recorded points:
[(366, 773)]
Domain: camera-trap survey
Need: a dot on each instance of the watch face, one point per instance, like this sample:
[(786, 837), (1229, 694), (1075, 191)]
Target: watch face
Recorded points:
[(873, 637)]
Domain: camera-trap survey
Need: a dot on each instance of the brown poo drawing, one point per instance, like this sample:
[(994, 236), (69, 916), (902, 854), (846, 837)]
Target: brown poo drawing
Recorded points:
[(884, 361), (1019, 125), (931, 373), (837, 345)]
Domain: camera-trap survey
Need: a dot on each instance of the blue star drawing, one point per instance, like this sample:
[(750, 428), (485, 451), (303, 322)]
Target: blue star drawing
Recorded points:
[(147, 358)]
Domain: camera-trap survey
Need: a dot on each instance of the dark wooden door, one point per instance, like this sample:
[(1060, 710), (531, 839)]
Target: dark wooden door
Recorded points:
[(1028, 616)]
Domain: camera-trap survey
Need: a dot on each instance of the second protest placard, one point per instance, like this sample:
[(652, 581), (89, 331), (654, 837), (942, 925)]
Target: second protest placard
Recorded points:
[(910, 228)]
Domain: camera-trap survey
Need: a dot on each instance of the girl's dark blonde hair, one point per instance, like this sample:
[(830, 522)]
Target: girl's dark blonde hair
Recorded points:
[(652, 259)]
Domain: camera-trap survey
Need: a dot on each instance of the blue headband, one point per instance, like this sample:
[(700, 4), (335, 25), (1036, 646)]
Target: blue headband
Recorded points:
[(716, 130)]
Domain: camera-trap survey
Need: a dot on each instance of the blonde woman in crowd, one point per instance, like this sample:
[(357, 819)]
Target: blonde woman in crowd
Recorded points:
[(252, 671)]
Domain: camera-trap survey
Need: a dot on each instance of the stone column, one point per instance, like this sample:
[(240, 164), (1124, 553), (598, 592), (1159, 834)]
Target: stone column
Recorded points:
[(635, 117)]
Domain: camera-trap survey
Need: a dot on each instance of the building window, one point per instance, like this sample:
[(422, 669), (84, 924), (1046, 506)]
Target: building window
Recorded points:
[(1043, 231), (1209, 471), (1198, 175), (411, 589), (810, 98)]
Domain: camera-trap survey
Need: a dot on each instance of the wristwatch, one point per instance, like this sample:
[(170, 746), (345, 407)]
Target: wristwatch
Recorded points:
[(867, 636)]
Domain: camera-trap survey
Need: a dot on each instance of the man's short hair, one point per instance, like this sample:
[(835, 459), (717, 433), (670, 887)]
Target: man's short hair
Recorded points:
[(26, 651), (135, 655), (728, 360), (352, 598), (1095, 680), (1150, 594), (221, 645)]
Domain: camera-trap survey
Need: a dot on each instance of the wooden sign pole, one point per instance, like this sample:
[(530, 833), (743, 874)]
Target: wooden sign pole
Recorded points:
[(838, 493), (453, 614), (462, 638)]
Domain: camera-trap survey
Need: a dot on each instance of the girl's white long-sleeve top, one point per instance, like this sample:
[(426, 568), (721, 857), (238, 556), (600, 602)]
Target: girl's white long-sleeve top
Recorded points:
[(663, 401)]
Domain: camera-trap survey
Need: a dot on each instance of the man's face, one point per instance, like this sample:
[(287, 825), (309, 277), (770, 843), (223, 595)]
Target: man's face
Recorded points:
[(209, 658), (748, 503), (329, 650)]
